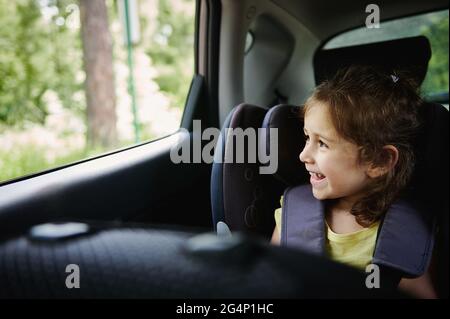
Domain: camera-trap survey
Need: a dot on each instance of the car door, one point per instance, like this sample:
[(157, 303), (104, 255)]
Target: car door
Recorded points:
[(137, 183)]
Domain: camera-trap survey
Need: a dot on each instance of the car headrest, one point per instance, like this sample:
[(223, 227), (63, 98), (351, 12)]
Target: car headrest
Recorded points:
[(407, 54), (286, 119), (240, 196)]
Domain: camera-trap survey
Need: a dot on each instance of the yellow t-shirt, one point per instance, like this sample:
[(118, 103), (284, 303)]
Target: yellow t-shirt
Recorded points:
[(354, 249)]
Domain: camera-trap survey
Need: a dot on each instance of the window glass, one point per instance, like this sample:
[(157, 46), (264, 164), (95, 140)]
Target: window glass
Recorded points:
[(82, 77)]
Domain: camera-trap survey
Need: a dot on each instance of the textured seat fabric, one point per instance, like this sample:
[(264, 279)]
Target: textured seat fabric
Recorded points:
[(137, 262)]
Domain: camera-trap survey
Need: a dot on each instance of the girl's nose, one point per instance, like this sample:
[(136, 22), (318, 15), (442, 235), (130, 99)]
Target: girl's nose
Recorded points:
[(305, 155)]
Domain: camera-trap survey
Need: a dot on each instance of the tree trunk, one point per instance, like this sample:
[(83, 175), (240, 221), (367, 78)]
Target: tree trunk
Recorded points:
[(98, 64)]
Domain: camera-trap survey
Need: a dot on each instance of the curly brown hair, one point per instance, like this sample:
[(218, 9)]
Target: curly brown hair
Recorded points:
[(372, 107)]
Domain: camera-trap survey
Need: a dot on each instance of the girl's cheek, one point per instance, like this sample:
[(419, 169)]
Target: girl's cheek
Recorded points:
[(324, 165)]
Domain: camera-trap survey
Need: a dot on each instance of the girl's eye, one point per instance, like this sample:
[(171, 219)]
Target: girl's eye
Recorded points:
[(306, 138), (322, 144)]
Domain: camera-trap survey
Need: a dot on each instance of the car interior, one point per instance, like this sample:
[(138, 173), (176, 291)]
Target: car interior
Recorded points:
[(140, 226)]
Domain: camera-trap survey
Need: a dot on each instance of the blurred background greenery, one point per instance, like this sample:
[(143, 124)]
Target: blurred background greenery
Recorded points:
[(437, 78), (44, 117)]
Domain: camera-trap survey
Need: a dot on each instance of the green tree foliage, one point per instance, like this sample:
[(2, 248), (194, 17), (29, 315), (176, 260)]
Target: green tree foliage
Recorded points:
[(172, 51), (437, 78), (36, 55)]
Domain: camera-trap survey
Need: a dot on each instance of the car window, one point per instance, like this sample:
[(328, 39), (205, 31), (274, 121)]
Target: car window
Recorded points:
[(433, 25), (65, 87)]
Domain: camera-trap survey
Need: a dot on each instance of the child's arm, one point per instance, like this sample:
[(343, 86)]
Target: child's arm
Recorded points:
[(420, 287), (276, 232), (275, 236), (423, 287)]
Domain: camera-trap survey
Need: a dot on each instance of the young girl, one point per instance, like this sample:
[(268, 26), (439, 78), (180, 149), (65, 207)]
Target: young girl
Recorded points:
[(359, 128)]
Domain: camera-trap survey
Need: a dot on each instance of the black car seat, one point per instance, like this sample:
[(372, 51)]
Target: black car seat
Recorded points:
[(236, 200), (241, 196)]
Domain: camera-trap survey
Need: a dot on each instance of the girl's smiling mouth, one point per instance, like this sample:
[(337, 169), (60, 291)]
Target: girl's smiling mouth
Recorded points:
[(316, 178)]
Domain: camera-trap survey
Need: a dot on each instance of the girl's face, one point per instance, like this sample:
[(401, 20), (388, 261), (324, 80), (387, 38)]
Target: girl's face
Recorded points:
[(331, 161)]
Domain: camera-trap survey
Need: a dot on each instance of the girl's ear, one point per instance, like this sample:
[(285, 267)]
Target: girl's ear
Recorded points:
[(391, 158)]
